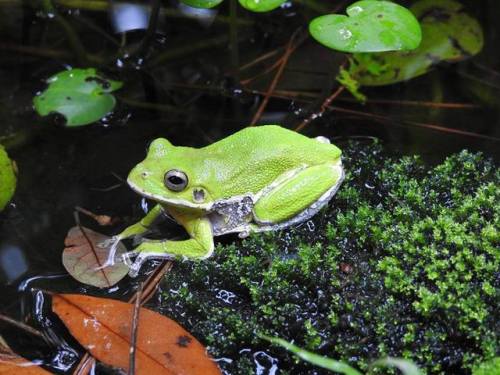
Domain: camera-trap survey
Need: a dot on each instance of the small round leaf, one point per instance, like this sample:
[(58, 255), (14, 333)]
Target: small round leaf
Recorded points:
[(80, 95), (261, 5), (371, 26), (7, 179), (202, 3)]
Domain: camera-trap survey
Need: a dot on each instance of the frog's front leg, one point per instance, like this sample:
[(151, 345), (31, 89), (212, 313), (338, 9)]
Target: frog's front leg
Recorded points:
[(136, 229), (199, 246), (304, 190)]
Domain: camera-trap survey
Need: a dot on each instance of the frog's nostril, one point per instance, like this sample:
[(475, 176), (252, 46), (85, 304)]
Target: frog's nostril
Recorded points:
[(198, 195), (144, 174)]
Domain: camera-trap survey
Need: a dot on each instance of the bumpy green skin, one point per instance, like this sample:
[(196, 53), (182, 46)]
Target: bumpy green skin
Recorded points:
[(252, 180), (404, 262), (491, 367), (7, 179)]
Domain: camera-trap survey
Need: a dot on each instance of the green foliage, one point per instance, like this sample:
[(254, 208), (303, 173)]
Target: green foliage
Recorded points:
[(328, 363), (261, 5), (491, 367), (371, 26), (352, 85), (403, 263), (80, 95), (7, 178), (448, 34), (202, 3)]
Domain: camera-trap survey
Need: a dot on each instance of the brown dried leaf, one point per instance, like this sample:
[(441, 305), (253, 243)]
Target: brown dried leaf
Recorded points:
[(83, 258), (103, 327)]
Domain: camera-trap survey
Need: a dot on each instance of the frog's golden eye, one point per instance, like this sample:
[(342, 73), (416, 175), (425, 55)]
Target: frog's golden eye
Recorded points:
[(176, 180)]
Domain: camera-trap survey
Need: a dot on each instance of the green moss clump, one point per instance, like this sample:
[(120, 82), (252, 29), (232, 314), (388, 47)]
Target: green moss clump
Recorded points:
[(404, 262)]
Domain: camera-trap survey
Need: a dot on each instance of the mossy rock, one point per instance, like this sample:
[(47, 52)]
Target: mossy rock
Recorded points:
[(404, 262)]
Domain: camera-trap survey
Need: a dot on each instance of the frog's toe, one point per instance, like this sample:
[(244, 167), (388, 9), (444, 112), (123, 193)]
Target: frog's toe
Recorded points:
[(135, 267)]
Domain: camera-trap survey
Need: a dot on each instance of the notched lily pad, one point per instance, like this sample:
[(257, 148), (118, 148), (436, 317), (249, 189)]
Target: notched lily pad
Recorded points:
[(371, 26), (82, 96), (206, 4), (85, 258), (448, 34), (7, 178), (261, 5)]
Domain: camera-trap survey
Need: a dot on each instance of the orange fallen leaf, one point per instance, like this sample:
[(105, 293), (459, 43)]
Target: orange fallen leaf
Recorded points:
[(12, 364), (103, 327), (84, 259)]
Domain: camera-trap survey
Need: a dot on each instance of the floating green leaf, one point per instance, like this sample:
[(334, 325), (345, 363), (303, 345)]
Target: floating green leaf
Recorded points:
[(80, 95), (261, 5), (371, 26), (448, 34), (315, 359), (202, 3), (7, 179)]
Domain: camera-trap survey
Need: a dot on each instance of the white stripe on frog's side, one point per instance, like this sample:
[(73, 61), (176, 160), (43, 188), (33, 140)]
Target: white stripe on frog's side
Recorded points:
[(223, 213)]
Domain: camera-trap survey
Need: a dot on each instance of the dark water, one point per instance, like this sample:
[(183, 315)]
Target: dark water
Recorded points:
[(192, 97)]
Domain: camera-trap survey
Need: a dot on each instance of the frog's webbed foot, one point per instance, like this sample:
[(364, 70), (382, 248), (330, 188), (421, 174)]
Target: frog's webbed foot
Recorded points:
[(140, 259), (111, 244)]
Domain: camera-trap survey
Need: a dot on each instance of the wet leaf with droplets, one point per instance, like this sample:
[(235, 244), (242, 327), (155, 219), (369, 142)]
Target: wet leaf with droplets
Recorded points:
[(261, 5), (7, 178), (103, 326), (206, 4), (85, 258), (448, 34), (82, 96), (371, 26)]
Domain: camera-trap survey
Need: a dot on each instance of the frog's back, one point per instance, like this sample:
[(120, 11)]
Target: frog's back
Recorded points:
[(261, 154), (277, 142)]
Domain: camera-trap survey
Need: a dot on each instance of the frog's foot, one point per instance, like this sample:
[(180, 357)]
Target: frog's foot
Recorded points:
[(140, 259), (112, 245)]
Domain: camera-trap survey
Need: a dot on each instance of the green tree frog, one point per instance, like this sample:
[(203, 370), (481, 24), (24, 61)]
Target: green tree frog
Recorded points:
[(258, 179)]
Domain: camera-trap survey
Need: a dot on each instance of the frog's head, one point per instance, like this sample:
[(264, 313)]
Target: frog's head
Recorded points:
[(167, 176)]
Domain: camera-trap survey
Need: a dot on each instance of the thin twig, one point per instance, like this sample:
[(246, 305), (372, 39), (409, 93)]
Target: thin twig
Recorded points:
[(135, 328), (322, 110), (416, 103), (21, 326), (291, 46), (415, 124), (259, 59)]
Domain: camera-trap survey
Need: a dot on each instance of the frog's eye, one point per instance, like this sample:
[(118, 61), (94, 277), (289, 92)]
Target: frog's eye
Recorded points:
[(176, 180)]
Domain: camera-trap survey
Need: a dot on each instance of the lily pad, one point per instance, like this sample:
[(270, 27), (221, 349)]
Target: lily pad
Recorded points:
[(448, 34), (206, 4), (371, 26), (261, 5), (80, 95), (7, 178)]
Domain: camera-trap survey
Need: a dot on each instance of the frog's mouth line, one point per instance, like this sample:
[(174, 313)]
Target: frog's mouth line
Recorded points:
[(170, 201)]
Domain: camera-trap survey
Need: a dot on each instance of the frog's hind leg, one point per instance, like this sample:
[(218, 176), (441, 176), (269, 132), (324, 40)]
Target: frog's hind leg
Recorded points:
[(297, 198)]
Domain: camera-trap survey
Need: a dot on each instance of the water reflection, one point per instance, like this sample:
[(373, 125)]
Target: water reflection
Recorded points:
[(12, 262)]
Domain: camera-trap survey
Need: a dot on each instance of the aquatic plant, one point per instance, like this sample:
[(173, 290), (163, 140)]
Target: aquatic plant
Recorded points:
[(403, 263)]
